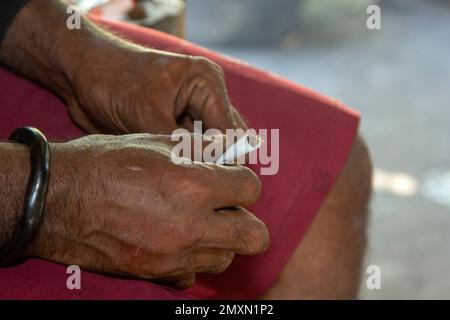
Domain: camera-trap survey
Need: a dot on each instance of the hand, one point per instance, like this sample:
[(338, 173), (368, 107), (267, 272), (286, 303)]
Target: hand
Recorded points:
[(118, 204), (144, 90), (111, 85)]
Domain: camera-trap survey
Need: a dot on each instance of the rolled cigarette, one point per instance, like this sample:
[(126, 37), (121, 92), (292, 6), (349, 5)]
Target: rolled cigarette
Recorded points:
[(245, 145)]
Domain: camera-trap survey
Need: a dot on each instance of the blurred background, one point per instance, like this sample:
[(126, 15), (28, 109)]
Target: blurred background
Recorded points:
[(398, 77)]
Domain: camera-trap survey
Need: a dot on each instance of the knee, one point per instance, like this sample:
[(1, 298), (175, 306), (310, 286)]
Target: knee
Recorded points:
[(354, 186), (358, 170)]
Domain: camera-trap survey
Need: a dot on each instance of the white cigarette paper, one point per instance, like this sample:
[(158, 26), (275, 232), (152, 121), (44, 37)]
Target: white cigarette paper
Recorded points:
[(243, 146)]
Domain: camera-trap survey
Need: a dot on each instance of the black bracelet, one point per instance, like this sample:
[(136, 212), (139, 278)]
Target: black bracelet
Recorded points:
[(33, 207)]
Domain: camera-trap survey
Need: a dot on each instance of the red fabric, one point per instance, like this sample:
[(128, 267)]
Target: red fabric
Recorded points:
[(316, 134)]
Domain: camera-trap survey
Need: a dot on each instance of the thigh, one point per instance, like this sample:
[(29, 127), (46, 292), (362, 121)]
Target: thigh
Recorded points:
[(327, 264)]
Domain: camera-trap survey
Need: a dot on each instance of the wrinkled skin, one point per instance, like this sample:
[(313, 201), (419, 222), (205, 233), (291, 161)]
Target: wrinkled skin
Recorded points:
[(117, 204), (178, 90), (120, 205)]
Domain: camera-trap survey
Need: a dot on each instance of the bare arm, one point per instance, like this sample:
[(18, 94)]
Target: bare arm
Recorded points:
[(99, 214), (13, 179), (39, 44), (89, 67)]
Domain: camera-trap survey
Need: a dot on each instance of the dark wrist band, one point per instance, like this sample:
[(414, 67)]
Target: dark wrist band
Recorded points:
[(33, 207)]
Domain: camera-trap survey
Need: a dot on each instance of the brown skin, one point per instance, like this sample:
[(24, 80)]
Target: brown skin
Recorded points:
[(117, 204), (131, 210), (162, 90), (328, 262), (111, 85)]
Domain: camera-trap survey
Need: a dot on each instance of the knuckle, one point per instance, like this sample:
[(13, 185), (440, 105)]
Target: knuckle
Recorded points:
[(210, 88), (202, 62), (218, 70), (208, 66)]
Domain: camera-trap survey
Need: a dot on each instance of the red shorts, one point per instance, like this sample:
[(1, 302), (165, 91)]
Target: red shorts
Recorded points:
[(316, 134)]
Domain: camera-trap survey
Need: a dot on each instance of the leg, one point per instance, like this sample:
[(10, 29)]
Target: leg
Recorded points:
[(327, 263)]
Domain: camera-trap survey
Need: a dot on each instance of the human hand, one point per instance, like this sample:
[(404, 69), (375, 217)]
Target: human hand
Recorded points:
[(118, 204), (111, 85), (143, 90)]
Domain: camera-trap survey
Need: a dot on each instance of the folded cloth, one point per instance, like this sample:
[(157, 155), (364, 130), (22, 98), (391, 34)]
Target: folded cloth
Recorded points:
[(316, 134)]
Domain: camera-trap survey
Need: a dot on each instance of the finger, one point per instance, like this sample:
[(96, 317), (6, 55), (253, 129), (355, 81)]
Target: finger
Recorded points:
[(210, 260), (187, 122), (227, 186), (209, 102), (181, 282), (236, 230), (239, 119), (234, 185)]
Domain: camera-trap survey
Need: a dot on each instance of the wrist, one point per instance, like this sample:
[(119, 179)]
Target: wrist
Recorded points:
[(14, 169), (45, 241)]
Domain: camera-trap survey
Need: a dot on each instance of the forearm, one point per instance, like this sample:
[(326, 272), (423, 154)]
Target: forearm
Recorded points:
[(14, 171), (14, 175), (40, 46), (34, 44)]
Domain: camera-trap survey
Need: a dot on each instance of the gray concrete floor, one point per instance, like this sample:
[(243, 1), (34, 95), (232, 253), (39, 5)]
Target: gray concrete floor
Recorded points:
[(399, 78)]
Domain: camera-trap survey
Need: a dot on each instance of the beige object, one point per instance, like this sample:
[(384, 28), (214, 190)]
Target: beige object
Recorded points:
[(163, 15)]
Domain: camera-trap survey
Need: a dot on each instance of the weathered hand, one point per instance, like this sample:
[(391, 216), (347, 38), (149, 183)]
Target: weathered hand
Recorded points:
[(118, 204), (111, 85), (144, 90)]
